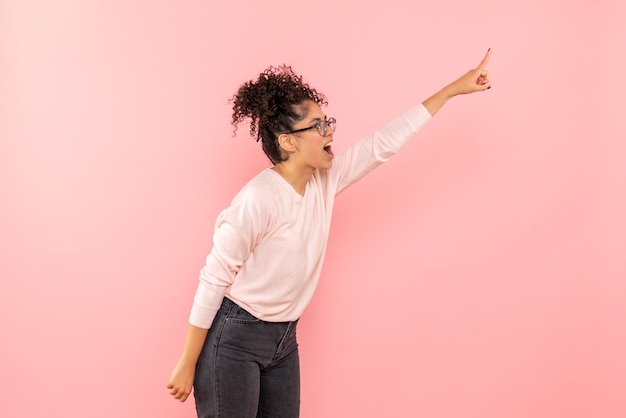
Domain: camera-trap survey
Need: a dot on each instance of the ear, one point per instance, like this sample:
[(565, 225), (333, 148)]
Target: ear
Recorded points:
[(287, 143)]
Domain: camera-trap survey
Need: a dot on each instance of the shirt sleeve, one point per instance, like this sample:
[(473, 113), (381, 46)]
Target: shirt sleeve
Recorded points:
[(237, 230), (366, 155)]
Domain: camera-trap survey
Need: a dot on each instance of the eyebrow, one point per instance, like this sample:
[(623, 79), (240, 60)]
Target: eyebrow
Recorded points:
[(318, 119)]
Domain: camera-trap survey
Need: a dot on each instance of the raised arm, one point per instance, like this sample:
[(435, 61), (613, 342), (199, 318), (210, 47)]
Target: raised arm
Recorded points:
[(473, 81)]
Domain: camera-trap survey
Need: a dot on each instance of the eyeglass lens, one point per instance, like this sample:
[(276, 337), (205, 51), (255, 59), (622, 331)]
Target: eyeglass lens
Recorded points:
[(322, 127)]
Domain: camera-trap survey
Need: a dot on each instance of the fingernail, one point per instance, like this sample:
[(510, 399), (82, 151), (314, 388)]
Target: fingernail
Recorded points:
[(489, 50), (488, 87)]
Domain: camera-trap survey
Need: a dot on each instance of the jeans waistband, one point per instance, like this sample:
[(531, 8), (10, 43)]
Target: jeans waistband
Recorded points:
[(228, 303)]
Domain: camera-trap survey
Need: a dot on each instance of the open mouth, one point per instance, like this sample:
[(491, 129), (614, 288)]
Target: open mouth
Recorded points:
[(328, 150)]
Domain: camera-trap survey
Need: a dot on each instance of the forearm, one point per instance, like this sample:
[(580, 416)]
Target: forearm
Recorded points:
[(193, 344), (181, 381), (435, 102)]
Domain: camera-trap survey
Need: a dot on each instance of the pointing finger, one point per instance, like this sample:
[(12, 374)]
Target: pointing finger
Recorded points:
[(485, 60)]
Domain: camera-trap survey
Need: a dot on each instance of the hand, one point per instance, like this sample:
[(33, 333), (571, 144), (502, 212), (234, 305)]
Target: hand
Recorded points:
[(181, 381), (474, 80)]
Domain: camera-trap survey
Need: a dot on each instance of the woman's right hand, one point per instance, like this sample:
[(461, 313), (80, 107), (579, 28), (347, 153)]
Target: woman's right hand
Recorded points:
[(473, 81), (181, 381)]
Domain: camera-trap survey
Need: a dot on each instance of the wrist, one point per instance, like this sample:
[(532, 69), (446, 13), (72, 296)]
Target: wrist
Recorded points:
[(187, 361)]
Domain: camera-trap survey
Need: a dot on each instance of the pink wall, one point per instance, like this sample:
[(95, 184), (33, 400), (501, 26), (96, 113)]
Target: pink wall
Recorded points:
[(479, 274)]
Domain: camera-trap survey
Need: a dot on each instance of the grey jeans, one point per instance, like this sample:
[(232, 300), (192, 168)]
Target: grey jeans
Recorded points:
[(248, 368)]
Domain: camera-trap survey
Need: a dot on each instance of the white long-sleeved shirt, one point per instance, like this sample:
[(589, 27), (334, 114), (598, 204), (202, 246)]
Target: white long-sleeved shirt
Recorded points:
[(269, 244)]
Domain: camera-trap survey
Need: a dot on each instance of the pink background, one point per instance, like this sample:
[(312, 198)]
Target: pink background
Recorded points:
[(481, 273)]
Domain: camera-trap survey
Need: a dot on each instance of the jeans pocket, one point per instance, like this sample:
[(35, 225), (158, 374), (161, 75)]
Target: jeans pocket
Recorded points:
[(240, 316)]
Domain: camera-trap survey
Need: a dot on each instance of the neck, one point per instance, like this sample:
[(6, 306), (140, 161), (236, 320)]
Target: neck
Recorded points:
[(296, 176)]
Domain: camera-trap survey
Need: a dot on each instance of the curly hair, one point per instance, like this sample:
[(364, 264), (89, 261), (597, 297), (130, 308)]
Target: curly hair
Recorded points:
[(271, 103)]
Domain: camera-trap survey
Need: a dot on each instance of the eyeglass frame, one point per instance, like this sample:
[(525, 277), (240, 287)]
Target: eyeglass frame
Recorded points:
[(326, 122)]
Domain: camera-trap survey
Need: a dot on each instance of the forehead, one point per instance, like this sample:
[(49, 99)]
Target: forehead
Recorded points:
[(312, 111)]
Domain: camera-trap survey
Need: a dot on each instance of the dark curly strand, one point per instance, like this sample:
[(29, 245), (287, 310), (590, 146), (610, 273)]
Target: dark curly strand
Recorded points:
[(271, 102)]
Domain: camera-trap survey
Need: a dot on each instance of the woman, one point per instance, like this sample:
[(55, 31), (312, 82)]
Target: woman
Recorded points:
[(240, 352)]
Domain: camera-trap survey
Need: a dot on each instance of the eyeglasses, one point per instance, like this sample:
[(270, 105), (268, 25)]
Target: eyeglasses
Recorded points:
[(322, 127)]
